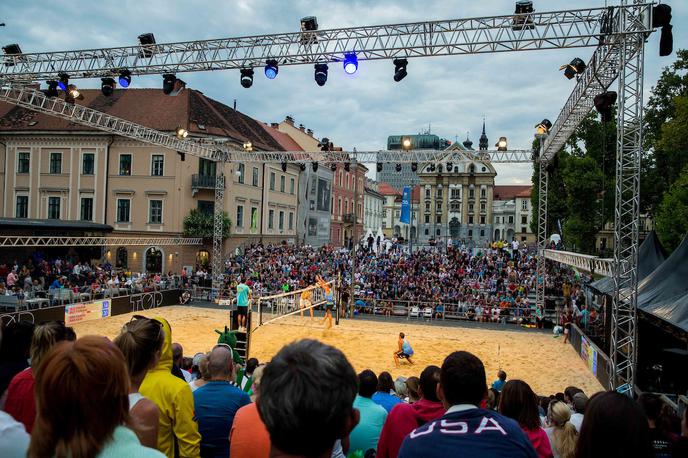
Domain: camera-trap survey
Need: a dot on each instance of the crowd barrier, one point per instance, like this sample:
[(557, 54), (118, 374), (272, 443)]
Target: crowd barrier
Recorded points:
[(598, 362)]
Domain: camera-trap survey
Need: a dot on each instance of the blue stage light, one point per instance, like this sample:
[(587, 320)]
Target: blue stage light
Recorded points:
[(125, 78), (271, 69), (63, 81), (350, 63)]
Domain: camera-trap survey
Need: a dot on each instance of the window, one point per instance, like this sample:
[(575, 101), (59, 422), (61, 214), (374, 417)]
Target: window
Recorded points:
[(427, 206), (482, 232), (455, 206), (240, 216), (524, 229), (470, 232), (524, 219), (384, 213), (206, 167), (157, 165), (272, 181), (22, 207), (438, 219), (292, 186), (456, 193), (125, 164), (23, 163), (55, 163), (439, 193), (255, 176), (291, 221), (123, 207), (427, 193), (524, 205), (282, 182), (339, 206), (281, 220), (427, 219), (427, 231), (470, 219), (482, 220), (271, 219), (87, 208), (53, 208), (511, 220), (483, 193), (155, 212), (471, 193), (439, 231), (240, 173), (207, 207), (254, 217), (396, 213), (88, 161), (482, 207), (470, 208)]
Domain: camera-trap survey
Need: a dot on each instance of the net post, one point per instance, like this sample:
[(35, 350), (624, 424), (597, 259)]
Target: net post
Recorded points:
[(260, 313)]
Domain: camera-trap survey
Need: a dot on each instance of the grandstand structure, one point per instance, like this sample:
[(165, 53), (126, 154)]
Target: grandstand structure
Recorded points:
[(617, 32)]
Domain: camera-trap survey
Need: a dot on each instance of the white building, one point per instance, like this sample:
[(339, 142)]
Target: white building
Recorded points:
[(373, 206), (512, 212)]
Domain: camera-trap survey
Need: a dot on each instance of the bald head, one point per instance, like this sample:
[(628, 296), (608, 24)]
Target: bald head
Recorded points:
[(220, 363)]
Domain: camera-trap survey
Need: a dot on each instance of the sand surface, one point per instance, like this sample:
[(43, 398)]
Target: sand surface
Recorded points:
[(538, 358)]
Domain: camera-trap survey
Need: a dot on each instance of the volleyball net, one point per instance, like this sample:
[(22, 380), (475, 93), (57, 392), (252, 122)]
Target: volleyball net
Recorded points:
[(279, 306)]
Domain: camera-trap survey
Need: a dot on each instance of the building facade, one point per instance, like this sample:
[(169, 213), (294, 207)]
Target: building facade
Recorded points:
[(373, 204), (53, 170), (513, 213), (348, 193), (406, 176)]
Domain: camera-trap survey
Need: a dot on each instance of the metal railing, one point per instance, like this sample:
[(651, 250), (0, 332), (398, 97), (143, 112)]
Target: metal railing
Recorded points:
[(202, 181)]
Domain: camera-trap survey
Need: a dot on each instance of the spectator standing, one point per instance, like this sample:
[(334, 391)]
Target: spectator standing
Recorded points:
[(518, 401), (177, 428), (501, 380), (614, 427), (303, 421), (243, 295), (474, 431), (249, 438), (217, 402), (404, 418), (662, 441), (383, 395), (366, 434), (562, 433), (82, 397)]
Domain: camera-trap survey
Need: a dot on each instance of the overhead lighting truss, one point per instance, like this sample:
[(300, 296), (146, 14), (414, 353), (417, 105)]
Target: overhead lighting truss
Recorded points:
[(490, 34), (592, 264), (48, 241)]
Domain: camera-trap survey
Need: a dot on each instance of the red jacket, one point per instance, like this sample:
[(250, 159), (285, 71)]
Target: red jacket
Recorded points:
[(403, 419), (21, 403)]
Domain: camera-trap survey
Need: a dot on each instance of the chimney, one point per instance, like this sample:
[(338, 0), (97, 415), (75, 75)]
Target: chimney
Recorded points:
[(234, 104), (302, 128), (274, 124), (310, 132), (289, 120)]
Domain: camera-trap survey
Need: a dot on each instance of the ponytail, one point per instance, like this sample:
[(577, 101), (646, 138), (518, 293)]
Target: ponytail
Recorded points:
[(565, 439)]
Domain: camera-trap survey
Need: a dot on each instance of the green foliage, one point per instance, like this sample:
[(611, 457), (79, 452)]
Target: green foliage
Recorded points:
[(672, 83), (200, 224), (672, 217)]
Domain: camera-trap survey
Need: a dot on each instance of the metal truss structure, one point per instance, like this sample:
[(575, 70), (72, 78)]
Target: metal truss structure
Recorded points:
[(542, 228), (48, 241), (618, 32), (538, 30), (218, 264), (592, 264)]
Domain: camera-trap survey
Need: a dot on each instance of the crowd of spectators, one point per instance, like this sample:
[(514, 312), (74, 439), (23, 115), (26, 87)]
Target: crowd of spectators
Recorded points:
[(92, 397)]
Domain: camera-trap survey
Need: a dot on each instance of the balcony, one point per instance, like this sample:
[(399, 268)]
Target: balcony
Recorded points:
[(348, 218), (199, 182)]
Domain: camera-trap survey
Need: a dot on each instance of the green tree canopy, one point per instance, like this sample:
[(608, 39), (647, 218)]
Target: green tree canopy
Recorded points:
[(672, 217), (201, 224)]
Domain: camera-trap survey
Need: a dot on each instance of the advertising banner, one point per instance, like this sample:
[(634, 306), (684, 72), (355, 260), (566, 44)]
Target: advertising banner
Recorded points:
[(77, 313), (589, 355), (406, 205)]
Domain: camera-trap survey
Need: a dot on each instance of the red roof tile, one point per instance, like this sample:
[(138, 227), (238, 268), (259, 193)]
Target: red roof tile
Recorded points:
[(387, 190), (511, 192), (286, 142)]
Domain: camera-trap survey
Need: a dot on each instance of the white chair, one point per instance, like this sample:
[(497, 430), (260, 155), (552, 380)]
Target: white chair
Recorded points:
[(427, 313), (414, 312)]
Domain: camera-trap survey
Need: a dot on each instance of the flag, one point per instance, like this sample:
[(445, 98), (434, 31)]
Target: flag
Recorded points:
[(406, 205)]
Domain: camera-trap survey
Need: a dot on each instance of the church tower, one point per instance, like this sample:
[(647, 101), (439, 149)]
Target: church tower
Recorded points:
[(483, 139)]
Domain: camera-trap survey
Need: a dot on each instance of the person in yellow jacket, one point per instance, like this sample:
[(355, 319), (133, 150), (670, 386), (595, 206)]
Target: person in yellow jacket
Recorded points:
[(177, 427)]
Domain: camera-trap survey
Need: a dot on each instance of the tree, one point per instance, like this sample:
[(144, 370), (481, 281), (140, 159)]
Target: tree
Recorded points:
[(202, 224), (672, 216)]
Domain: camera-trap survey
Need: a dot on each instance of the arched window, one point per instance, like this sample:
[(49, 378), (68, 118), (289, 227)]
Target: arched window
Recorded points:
[(121, 258)]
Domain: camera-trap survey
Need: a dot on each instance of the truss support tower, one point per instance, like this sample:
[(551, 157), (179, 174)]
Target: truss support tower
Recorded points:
[(218, 263), (542, 227)]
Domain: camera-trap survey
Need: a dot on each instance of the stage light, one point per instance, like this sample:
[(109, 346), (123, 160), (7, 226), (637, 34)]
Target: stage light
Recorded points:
[(523, 22), (147, 42), (333, 167), (320, 74), (400, 69), (63, 81), (661, 17), (168, 82), (325, 144), (432, 167), (309, 23), (379, 167), (406, 143), (347, 166), (181, 133), (314, 165), (284, 166), (397, 168), (302, 167), (52, 89), (247, 77), (501, 144), (124, 78), (248, 146), (350, 63), (12, 50), (271, 69), (107, 86), (604, 103), (575, 67), (414, 166), (544, 127), (74, 92)]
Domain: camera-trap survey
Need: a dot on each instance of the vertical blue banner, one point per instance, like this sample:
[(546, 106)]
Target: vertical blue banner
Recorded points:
[(406, 205)]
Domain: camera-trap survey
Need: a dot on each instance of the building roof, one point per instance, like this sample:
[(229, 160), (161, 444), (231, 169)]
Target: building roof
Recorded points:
[(511, 192), (387, 190), (286, 142), (190, 109)]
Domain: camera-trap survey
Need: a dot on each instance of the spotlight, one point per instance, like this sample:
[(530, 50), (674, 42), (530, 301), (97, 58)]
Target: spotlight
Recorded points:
[(52, 89), (397, 168), (107, 86), (350, 63), (439, 169), (63, 81), (347, 166), (168, 83), (575, 67), (13, 50), (124, 78), (400, 69), (414, 166), (432, 167), (320, 74), (147, 41), (271, 69), (325, 144), (248, 146), (450, 166), (314, 165), (379, 167), (284, 166), (523, 22), (302, 167), (604, 103), (181, 133), (661, 17), (74, 92), (309, 23), (544, 127), (333, 167), (501, 144), (406, 143), (247, 77)]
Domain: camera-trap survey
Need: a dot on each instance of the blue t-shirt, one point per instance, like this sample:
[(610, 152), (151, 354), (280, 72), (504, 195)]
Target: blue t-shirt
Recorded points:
[(473, 433), (367, 433), (386, 400), (498, 384), (242, 295), (216, 403)]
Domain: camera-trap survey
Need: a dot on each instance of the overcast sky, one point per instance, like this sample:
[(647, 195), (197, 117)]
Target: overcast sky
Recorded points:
[(451, 94)]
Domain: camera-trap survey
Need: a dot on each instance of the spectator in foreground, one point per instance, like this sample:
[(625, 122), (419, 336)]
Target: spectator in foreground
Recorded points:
[(14, 351), (501, 380), (578, 406), (366, 434), (201, 362), (257, 375), (177, 428), (662, 441), (562, 433), (383, 396), (248, 437), (518, 401), (20, 401), (14, 440), (141, 343), (304, 422), (178, 363), (404, 418), (217, 402), (82, 396), (614, 427), (681, 444), (474, 431), (243, 378), (413, 388)]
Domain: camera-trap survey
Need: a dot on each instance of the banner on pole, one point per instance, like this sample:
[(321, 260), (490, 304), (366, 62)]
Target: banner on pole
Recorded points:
[(406, 205)]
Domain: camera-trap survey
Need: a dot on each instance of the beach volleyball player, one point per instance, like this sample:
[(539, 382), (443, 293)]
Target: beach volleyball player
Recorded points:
[(243, 295), (329, 301), (404, 350), (305, 300)]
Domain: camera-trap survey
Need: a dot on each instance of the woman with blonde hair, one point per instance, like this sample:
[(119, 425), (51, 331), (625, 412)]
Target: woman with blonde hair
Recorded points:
[(141, 342), (561, 432)]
